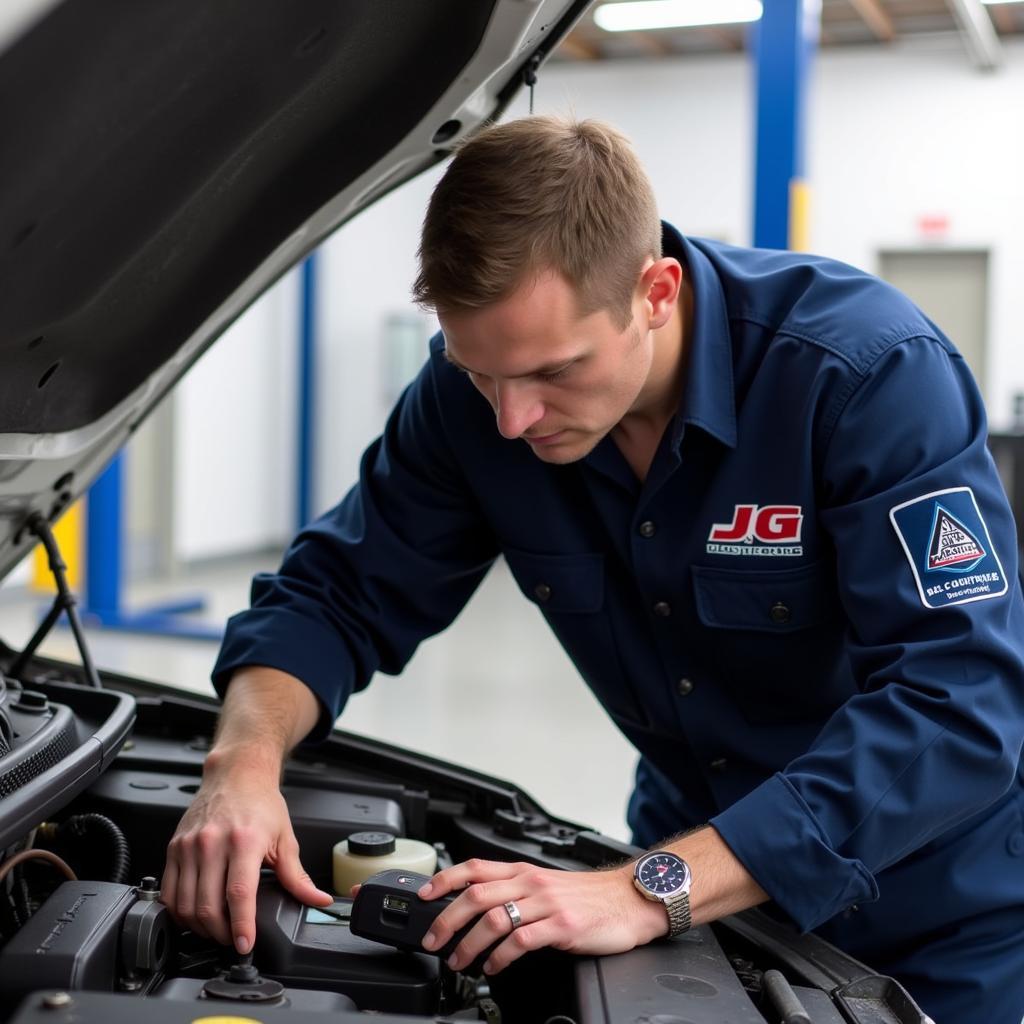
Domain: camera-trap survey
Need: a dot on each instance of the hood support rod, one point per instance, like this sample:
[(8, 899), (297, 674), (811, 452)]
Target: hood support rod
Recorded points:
[(65, 601)]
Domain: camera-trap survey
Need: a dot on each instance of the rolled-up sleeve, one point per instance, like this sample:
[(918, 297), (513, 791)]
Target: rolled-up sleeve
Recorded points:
[(926, 558), (361, 586)]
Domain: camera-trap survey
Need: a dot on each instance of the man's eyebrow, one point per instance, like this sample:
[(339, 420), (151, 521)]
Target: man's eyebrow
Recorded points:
[(539, 371)]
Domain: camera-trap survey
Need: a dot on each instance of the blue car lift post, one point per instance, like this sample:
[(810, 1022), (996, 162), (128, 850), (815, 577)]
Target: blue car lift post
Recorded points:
[(307, 392), (104, 569), (784, 41), (104, 572)]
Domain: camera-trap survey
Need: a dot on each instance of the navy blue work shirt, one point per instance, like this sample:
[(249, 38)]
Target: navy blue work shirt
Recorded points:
[(807, 618)]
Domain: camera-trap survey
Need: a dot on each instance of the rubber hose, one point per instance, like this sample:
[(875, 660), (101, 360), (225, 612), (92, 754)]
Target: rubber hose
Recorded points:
[(80, 825)]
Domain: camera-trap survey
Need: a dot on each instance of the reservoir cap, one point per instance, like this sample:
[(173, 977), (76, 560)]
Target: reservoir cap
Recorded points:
[(371, 844)]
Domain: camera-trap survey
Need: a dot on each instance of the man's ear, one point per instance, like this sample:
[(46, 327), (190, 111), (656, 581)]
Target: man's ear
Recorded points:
[(659, 288)]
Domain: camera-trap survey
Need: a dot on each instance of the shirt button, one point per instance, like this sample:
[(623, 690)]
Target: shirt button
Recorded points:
[(542, 591), (647, 528), (684, 687), (779, 613), (663, 608), (719, 764)]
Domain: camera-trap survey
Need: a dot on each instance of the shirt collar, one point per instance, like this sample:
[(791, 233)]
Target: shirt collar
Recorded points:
[(708, 400)]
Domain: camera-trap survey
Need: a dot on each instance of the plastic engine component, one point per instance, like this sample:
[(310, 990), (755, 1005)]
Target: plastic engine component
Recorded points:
[(687, 978), (71, 942), (149, 805), (311, 948), (113, 1008), (294, 998)]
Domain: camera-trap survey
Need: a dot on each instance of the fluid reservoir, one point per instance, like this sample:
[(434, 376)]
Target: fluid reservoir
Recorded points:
[(365, 853)]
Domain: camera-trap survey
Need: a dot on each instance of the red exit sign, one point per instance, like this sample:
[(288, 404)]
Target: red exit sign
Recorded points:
[(933, 225)]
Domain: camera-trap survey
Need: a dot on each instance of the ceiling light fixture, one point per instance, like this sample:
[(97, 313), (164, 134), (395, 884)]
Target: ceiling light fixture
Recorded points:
[(637, 15)]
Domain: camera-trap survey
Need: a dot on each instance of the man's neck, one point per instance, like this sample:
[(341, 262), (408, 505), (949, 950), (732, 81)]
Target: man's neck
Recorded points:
[(639, 432)]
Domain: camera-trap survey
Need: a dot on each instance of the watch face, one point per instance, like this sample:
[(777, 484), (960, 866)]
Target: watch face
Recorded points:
[(663, 874)]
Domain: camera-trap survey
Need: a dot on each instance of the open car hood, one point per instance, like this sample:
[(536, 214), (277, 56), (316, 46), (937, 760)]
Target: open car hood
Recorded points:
[(163, 164)]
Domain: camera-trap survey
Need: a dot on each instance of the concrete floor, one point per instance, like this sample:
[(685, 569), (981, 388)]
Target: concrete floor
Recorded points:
[(494, 692)]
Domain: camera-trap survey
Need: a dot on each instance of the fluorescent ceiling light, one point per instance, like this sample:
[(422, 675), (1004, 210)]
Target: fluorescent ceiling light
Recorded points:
[(643, 14)]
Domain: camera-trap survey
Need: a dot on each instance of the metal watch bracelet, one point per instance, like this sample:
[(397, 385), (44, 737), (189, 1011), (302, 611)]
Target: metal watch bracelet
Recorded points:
[(679, 919)]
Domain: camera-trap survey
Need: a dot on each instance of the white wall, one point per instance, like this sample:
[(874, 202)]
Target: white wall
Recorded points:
[(368, 270), (893, 134), (921, 134), (234, 426)]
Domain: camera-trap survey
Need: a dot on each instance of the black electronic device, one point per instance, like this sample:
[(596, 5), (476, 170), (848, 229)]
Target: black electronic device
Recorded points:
[(389, 910)]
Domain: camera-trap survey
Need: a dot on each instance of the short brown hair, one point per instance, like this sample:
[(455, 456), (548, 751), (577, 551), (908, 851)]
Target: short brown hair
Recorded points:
[(540, 193)]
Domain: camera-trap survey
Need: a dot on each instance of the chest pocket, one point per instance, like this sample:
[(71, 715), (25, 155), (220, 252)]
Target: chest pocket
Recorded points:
[(762, 601), (774, 639), (570, 592)]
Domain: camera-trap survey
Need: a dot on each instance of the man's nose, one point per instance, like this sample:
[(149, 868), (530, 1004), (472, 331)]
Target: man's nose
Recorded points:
[(516, 408)]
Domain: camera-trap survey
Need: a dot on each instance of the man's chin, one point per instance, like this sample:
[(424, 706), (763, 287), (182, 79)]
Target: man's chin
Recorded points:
[(563, 451)]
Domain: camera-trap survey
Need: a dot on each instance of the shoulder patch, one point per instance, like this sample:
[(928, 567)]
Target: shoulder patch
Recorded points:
[(949, 549)]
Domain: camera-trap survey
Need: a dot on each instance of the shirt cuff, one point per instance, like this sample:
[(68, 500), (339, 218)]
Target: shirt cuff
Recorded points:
[(779, 841), (314, 654)]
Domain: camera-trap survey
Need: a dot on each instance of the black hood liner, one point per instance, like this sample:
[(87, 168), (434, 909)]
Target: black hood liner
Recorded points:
[(153, 153)]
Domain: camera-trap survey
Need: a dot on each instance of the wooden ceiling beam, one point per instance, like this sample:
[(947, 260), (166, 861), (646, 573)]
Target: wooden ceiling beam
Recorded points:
[(1003, 17), (653, 42), (577, 47), (726, 40), (877, 18)]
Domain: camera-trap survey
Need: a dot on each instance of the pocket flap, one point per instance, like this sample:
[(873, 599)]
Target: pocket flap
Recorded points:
[(771, 601), (559, 583)]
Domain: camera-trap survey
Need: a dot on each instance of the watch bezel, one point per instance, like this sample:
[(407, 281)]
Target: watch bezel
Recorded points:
[(683, 887)]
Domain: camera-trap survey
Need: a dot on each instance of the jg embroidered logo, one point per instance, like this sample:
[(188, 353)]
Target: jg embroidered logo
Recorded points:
[(949, 549), (775, 529)]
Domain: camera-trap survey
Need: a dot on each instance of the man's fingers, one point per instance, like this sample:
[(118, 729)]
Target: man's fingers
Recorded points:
[(169, 883), (185, 894), (522, 940), (296, 880), (210, 905), (494, 925), (481, 898), (243, 879), (461, 875)]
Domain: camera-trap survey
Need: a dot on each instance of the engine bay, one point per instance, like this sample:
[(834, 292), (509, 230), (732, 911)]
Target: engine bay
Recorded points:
[(95, 781)]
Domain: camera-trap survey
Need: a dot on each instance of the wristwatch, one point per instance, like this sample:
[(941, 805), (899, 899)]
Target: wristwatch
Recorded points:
[(665, 878)]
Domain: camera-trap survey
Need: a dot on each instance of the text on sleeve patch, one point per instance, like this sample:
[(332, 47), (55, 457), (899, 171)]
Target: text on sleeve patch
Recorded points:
[(949, 549)]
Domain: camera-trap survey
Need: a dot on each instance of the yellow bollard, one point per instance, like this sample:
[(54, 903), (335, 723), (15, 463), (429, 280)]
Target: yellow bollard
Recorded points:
[(68, 531), (799, 215)]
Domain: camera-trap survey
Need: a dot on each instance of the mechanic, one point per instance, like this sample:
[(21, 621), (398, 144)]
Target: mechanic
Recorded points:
[(750, 493)]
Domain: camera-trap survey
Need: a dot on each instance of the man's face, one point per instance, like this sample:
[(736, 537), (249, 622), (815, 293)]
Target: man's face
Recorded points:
[(557, 380)]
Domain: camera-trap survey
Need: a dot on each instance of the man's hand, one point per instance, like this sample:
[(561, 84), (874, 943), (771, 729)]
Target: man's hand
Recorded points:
[(593, 912), (239, 820)]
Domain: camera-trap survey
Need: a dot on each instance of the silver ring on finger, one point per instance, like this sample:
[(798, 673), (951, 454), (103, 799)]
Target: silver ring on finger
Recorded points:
[(513, 914)]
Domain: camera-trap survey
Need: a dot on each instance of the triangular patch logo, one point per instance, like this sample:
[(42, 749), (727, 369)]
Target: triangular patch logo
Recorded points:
[(952, 546)]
